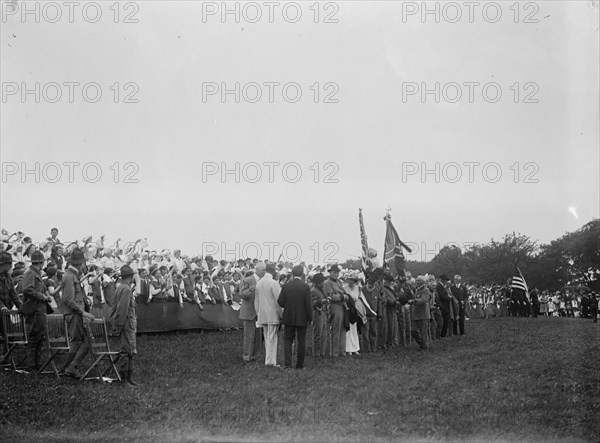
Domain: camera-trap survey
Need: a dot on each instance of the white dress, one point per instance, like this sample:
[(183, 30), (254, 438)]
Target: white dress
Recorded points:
[(352, 344)]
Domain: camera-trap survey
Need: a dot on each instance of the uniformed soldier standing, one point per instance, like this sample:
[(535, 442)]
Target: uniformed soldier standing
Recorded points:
[(8, 295), (124, 322), (74, 307), (34, 290)]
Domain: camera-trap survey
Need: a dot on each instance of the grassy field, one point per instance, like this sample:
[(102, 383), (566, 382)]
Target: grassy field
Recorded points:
[(507, 379)]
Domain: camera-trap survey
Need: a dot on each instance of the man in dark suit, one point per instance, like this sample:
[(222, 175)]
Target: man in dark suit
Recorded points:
[(459, 291), (445, 303), (297, 315)]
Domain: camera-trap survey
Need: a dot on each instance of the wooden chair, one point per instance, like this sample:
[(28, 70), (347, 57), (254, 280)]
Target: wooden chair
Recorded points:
[(100, 350), (14, 336), (58, 340)]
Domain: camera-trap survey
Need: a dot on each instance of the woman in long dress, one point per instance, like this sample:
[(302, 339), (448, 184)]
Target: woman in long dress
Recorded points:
[(352, 289)]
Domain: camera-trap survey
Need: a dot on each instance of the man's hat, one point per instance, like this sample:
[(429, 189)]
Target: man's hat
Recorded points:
[(5, 257), (318, 278), (444, 277), (126, 271), (334, 268), (77, 257), (38, 257)]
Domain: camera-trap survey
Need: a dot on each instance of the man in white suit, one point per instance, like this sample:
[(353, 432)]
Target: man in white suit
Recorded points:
[(268, 312)]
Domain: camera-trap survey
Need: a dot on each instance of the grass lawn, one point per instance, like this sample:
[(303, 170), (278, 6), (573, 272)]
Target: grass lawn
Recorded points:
[(507, 379)]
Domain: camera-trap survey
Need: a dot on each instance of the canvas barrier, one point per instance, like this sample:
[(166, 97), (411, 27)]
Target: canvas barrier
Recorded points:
[(162, 317)]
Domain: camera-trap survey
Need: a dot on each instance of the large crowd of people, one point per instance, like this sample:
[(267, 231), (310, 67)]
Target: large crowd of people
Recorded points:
[(347, 311)]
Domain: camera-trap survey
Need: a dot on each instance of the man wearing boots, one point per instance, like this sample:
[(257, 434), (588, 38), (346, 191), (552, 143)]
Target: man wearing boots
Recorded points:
[(34, 291), (124, 321), (75, 311)]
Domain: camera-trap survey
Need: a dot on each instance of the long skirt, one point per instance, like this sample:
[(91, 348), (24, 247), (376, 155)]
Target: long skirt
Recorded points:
[(352, 344)]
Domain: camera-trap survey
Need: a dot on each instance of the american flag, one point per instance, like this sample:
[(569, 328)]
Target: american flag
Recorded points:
[(518, 281)]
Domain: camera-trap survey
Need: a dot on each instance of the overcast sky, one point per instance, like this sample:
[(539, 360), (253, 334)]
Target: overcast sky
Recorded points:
[(368, 141)]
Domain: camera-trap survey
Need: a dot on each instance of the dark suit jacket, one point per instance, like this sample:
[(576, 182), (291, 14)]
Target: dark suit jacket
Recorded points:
[(460, 294), (445, 300), (296, 303)]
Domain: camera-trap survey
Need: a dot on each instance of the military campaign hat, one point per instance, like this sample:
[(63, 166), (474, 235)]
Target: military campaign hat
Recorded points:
[(77, 257), (126, 271), (5, 257), (38, 257)]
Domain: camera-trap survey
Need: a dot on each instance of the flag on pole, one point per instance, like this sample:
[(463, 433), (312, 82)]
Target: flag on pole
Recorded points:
[(518, 281), (363, 241), (393, 255)]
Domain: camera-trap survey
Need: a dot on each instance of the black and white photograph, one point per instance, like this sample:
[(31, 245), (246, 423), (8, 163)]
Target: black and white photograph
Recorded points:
[(299, 221)]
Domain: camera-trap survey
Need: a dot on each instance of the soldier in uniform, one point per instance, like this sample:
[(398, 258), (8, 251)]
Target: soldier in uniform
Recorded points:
[(124, 322), (8, 296), (34, 290), (370, 330), (388, 331), (420, 307), (319, 307), (75, 310), (252, 334), (336, 295)]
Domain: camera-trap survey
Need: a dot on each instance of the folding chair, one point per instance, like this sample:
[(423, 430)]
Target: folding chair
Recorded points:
[(58, 340), (100, 350), (14, 335)]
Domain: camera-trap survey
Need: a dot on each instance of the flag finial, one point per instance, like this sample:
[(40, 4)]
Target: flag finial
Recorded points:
[(388, 216)]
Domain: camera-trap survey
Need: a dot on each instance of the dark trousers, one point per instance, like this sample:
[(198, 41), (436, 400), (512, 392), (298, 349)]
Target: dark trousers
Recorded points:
[(80, 344), (445, 322), (369, 335), (252, 340), (438, 321), (36, 337), (289, 334), (460, 324), (419, 333), (392, 326)]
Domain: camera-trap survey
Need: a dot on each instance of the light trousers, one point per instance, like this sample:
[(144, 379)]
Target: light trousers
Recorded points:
[(270, 333)]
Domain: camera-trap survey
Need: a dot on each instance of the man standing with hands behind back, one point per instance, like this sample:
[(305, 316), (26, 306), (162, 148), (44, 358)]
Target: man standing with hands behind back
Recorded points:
[(296, 302), (268, 312)]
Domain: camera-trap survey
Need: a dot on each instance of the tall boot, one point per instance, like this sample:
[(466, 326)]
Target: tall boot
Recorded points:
[(129, 378)]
